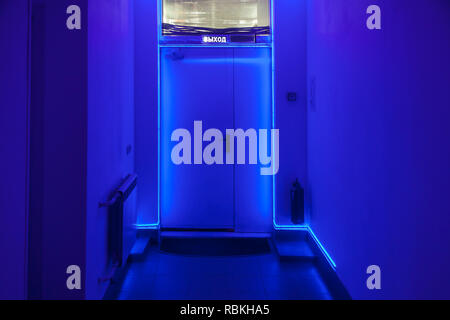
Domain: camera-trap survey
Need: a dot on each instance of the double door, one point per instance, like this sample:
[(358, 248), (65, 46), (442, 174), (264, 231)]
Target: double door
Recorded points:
[(219, 88)]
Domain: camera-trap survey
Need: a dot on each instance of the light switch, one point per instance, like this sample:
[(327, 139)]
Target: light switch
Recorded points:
[(292, 96)]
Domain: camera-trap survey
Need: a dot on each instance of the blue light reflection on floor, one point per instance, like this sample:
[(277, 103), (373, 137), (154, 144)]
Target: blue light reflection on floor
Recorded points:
[(168, 276)]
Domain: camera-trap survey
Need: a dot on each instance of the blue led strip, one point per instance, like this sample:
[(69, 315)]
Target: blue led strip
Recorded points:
[(159, 8), (272, 34), (147, 226), (292, 228), (313, 236), (321, 247)]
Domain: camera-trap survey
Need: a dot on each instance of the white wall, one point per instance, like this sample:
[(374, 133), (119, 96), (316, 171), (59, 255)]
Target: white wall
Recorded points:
[(290, 76), (110, 125), (378, 143), (61, 219), (63, 189), (146, 103), (13, 148)]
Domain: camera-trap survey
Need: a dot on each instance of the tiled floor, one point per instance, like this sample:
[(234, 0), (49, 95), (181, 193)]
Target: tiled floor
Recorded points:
[(167, 276)]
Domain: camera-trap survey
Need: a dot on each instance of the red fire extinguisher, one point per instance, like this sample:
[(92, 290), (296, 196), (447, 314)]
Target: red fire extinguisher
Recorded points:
[(297, 203)]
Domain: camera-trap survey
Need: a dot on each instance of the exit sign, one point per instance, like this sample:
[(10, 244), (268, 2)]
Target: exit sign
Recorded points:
[(215, 39)]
